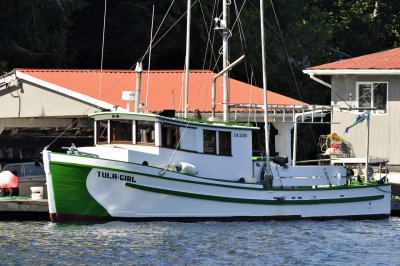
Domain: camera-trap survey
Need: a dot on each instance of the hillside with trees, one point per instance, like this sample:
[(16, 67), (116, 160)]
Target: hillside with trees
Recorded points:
[(300, 33)]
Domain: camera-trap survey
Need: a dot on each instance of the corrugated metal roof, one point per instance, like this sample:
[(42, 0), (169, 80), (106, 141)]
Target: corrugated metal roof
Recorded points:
[(389, 59), (165, 87)]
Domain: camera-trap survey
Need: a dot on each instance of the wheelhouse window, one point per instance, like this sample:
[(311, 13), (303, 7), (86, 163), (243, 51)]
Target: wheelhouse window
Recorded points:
[(121, 130), (224, 143), (169, 136), (373, 95), (102, 131), (145, 132), (209, 142)]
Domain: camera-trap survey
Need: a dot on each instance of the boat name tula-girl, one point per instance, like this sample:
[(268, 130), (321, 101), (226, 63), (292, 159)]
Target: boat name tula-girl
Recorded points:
[(120, 177)]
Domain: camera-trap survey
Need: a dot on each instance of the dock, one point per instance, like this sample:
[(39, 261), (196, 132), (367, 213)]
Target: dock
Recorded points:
[(23, 209), (395, 207)]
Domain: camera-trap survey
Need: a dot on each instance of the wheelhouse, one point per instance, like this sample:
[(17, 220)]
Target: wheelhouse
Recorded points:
[(213, 138)]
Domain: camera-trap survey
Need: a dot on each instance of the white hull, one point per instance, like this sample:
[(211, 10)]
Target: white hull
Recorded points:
[(132, 191)]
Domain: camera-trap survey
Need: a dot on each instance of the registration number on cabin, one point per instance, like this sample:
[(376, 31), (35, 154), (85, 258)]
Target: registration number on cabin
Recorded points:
[(240, 135)]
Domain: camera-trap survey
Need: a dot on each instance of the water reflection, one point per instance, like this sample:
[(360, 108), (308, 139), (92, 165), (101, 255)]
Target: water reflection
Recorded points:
[(206, 243)]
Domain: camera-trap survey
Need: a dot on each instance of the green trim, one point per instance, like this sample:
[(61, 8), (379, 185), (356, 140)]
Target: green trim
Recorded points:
[(70, 193), (251, 201), (158, 168), (179, 120), (169, 178), (259, 158), (212, 179), (211, 122)]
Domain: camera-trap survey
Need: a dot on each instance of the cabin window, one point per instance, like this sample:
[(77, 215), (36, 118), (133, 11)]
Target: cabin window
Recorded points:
[(145, 132), (210, 141), (102, 132), (169, 136), (373, 95), (121, 130), (224, 143)]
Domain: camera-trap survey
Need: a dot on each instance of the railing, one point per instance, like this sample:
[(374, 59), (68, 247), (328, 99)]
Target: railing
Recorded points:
[(292, 113)]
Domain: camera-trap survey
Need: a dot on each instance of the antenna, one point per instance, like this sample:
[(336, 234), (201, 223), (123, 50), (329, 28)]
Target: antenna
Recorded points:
[(148, 67)]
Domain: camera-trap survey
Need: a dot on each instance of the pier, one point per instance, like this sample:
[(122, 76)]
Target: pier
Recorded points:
[(23, 209)]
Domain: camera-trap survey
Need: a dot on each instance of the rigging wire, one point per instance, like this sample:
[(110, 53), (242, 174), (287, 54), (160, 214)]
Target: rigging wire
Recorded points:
[(102, 50), (101, 78), (243, 43), (158, 29), (286, 51), (209, 42)]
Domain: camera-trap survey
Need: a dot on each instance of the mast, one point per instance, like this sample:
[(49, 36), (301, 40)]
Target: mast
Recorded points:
[(225, 56), (264, 74), (186, 107)]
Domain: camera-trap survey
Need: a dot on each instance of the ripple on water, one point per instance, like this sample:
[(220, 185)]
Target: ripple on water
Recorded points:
[(338, 242)]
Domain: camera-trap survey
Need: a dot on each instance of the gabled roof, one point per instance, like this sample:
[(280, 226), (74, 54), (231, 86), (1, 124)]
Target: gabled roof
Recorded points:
[(165, 88), (385, 62)]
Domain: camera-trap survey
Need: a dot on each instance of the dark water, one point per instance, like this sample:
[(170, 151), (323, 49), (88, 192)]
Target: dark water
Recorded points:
[(338, 242)]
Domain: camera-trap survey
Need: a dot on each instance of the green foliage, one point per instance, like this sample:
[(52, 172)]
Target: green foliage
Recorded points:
[(300, 33), (33, 32)]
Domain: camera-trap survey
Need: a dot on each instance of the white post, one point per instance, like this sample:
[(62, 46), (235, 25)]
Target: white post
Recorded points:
[(367, 157), (138, 70), (283, 140), (294, 143), (186, 107)]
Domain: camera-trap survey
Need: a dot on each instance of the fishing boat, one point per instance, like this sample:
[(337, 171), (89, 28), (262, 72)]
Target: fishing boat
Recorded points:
[(146, 166)]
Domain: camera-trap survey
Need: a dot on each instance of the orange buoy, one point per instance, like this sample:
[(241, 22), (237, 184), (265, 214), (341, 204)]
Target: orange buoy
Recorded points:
[(8, 180)]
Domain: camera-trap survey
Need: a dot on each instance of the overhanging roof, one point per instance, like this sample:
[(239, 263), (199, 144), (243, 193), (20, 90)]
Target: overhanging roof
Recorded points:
[(104, 88), (380, 63)]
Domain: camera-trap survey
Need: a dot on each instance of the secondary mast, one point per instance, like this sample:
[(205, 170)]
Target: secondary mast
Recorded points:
[(188, 14), (264, 75)]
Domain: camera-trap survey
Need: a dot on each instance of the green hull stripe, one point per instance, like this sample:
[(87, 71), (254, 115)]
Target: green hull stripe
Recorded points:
[(70, 192), (211, 184), (161, 177), (252, 201)]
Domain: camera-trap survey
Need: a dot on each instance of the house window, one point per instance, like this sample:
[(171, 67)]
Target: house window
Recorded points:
[(210, 141), (224, 141), (121, 130), (373, 95), (170, 136), (145, 132)]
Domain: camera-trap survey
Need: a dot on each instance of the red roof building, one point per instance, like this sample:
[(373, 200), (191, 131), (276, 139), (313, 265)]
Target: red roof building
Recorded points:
[(165, 88), (385, 62)]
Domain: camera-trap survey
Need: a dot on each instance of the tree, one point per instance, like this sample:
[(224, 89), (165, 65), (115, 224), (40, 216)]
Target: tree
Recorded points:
[(34, 32)]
